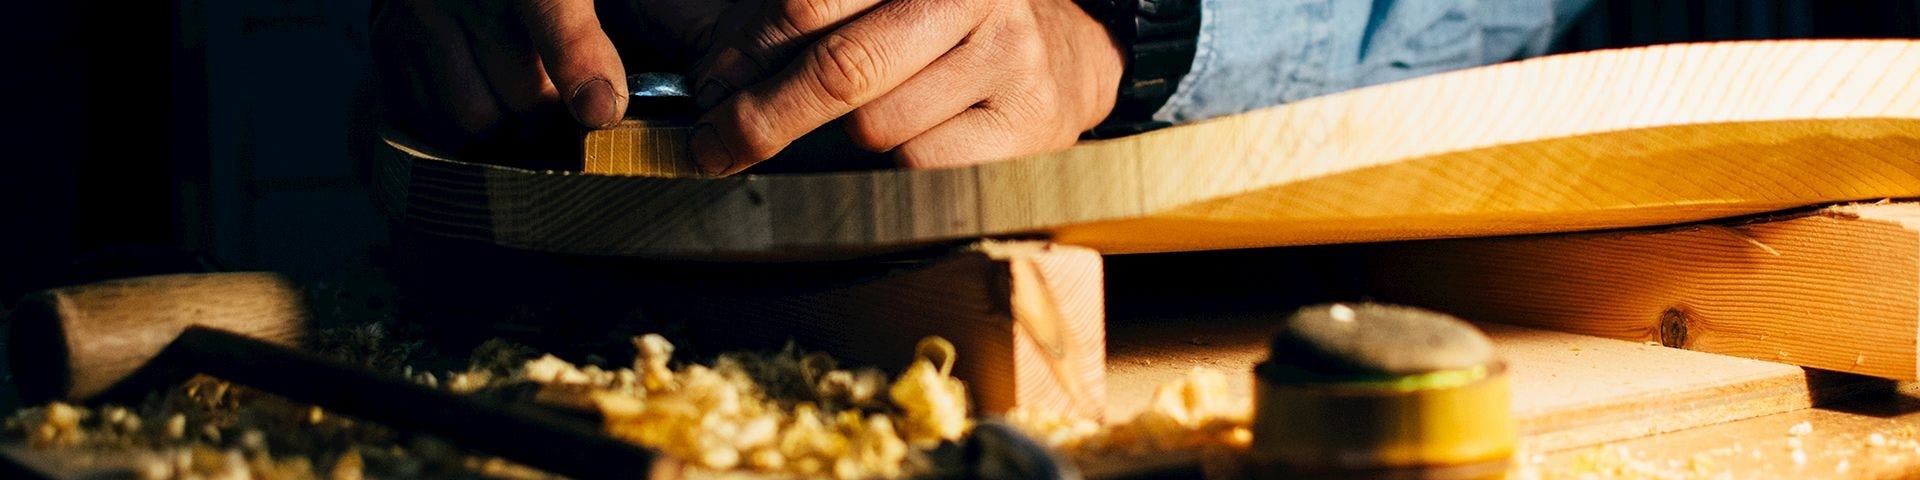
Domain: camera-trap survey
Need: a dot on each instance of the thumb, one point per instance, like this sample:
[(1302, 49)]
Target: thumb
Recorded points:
[(579, 57)]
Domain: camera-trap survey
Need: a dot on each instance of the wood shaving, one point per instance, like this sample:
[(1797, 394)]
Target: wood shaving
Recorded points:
[(1193, 413), (1800, 429), (721, 417)]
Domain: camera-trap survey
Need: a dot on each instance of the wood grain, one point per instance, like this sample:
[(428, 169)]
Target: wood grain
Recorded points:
[(638, 147), (76, 342), (1595, 140), (1569, 390), (1835, 288)]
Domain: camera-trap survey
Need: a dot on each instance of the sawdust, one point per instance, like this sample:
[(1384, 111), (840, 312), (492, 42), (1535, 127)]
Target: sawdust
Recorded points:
[(1795, 453)]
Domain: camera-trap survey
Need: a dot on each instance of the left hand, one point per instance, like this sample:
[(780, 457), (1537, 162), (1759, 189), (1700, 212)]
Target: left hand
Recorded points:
[(513, 80), (939, 83)]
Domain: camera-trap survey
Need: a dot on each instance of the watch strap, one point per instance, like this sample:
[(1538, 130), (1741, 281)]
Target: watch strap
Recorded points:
[(1159, 38)]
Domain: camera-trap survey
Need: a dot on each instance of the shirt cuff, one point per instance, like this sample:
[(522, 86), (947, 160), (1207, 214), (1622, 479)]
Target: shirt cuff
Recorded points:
[(1257, 53), (1253, 54)]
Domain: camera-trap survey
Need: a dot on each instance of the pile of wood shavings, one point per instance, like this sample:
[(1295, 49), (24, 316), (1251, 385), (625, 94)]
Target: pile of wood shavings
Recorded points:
[(772, 414), (784, 413)]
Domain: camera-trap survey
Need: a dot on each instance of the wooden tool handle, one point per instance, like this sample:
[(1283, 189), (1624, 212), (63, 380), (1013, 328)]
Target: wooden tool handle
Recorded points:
[(76, 342)]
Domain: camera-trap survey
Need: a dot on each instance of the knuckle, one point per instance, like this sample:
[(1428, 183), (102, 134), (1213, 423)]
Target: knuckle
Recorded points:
[(1029, 52), (562, 32), (543, 9), (570, 40), (1025, 103), (545, 17), (847, 68), (869, 132), (808, 15), (778, 32)]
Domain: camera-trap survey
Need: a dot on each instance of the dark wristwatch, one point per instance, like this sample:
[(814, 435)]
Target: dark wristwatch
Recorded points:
[(1158, 38)]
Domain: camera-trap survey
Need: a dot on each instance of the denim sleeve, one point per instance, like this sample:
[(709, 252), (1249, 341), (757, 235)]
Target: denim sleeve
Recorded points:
[(1259, 53)]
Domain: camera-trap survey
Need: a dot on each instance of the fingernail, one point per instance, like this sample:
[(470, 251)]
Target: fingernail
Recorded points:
[(594, 104), (711, 92), (714, 158)]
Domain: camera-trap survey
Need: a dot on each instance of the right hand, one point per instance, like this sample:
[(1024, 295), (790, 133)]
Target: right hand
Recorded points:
[(934, 83), (510, 78)]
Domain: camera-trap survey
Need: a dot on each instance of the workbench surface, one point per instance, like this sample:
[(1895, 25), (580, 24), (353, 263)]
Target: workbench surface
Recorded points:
[(1874, 437)]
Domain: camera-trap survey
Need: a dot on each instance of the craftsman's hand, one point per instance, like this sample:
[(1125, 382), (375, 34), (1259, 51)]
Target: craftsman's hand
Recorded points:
[(937, 82), (510, 76)]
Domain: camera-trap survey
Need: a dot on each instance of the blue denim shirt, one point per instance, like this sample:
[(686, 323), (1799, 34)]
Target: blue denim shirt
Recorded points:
[(1259, 53)]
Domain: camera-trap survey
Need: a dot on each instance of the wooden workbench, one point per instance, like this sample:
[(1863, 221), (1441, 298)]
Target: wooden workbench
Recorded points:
[(1151, 340), (1838, 442)]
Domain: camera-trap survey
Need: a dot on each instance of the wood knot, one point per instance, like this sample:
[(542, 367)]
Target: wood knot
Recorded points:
[(1673, 328)]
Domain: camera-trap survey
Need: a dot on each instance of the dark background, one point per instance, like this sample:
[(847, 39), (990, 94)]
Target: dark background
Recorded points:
[(189, 134)]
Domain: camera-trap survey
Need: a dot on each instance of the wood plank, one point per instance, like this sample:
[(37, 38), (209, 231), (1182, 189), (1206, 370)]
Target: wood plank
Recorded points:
[(1839, 442), (1593, 140), (1835, 288), (1569, 390)]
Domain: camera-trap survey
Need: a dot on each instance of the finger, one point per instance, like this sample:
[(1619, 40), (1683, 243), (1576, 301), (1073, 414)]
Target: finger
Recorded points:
[(950, 86), (771, 35), (579, 59), (443, 94), (507, 59), (842, 71), (979, 135)]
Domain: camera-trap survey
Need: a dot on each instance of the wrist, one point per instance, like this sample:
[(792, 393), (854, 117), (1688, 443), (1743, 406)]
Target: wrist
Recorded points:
[(1103, 59)]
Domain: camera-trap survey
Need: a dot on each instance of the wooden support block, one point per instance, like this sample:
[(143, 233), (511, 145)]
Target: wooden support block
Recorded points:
[(1027, 317), (1836, 288)]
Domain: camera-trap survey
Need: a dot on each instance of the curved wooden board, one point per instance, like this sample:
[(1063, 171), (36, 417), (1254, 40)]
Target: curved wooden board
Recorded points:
[(1594, 140)]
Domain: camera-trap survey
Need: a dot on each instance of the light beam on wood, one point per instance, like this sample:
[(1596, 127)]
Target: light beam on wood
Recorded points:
[(1606, 139), (1837, 288)]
